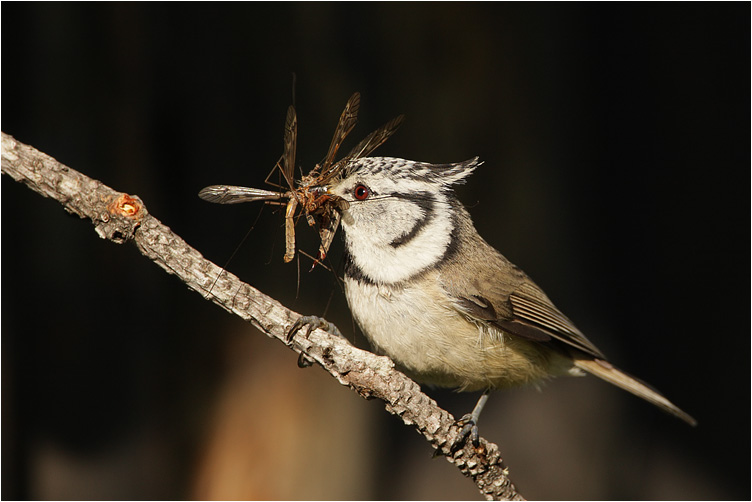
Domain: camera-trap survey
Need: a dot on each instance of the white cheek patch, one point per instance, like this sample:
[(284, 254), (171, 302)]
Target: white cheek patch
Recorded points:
[(394, 240)]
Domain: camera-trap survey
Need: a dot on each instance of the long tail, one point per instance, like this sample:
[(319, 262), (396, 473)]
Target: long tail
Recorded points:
[(606, 371)]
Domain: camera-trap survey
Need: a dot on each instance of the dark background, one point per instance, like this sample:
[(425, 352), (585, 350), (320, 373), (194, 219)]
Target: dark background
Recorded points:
[(617, 172)]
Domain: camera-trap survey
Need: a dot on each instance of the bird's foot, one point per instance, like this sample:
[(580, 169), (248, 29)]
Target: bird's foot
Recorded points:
[(468, 430), (312, 322), (468, 425)]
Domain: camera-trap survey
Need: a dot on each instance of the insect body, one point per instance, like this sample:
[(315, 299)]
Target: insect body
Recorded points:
[(309, 194)]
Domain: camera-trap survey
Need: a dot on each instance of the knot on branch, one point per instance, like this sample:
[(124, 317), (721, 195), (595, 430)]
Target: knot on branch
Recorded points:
[(121, 219)]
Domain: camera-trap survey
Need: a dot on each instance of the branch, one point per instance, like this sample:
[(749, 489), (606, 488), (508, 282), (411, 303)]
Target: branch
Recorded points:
[(120, 217)]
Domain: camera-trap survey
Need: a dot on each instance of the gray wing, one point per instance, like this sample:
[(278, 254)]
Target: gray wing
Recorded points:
[(489, 288), (528, 313), (532, 309)]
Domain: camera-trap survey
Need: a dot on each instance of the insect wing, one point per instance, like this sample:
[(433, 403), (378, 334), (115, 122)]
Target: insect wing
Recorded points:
[(227, 194), (375, 139), (365, 147), (347, 121), (291, 139)]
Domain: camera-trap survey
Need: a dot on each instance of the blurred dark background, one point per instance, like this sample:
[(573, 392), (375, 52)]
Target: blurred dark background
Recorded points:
[(616, 141)]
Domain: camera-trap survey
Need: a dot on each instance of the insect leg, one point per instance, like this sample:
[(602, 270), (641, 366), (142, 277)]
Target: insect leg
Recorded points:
[(290, 229)]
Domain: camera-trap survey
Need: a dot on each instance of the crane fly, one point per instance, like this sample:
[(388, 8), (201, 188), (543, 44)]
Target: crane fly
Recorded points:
[(309, 195)]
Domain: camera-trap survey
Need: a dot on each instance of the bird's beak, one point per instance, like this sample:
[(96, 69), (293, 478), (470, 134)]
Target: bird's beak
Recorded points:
[(337, 202)]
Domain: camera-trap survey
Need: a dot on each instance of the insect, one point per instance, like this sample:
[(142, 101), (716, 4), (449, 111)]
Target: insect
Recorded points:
[(308, 194)]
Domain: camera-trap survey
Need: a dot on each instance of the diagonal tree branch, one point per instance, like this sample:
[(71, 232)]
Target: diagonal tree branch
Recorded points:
[(120, 217)]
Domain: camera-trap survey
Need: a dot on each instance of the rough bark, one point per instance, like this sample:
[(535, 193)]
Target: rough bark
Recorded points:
[(120, 217)]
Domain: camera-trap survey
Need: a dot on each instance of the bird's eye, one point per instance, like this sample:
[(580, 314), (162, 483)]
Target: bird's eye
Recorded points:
[(361, 192)]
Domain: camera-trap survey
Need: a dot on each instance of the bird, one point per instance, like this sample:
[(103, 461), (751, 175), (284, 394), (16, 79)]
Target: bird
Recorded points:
[(448, 308)]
